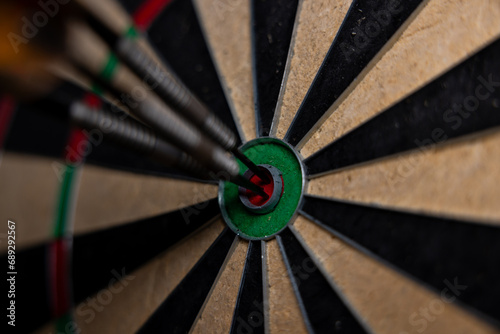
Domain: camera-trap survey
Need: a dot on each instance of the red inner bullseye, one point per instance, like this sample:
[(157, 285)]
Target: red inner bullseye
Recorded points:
[(268, 188)]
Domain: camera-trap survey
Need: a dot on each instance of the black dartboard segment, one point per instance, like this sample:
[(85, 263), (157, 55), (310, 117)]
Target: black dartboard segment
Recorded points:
[(100, 256), (458, 259), (461, 102), (323, 310), (249, 312), (130, 5), (32, 284), (272, 27), (368, 26), (42, 127), (178, 37), (110, 155), (29, 123), (178, 312)]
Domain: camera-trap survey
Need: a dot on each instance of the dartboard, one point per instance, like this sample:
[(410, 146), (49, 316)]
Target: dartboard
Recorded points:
[(380, 119)]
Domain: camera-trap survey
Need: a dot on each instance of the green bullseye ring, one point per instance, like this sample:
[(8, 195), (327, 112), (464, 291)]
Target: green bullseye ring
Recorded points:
[(253, 226)]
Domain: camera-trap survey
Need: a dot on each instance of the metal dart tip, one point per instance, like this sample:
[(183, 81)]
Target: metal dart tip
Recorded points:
[(253, 167), (243, 182)]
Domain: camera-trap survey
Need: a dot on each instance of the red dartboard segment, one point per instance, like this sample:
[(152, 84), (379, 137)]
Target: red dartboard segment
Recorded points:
[(7, 107), (73, 152), (148, 12), (58, 260)]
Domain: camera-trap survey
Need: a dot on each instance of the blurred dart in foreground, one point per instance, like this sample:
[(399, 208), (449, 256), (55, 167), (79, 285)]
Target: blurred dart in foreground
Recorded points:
[(41, 33)]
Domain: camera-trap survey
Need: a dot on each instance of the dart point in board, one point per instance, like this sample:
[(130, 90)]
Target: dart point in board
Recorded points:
[(251, 216), (273, 187)]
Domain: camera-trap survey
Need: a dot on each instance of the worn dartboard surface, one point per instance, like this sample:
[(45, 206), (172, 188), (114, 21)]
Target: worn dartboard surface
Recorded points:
[(392, 109)]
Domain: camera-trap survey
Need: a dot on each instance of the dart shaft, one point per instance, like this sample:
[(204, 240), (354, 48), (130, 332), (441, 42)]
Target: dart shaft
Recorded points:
[(133, 135), (137, 53), (253, 167), (191, 133), (137, 137), (243, 182), (170, 88), (173, 91), (88, 50)]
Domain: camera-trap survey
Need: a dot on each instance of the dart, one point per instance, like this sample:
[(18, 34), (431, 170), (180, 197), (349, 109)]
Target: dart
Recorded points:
[(138, 137), (136, 52), (134, 135), (89, 52)]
